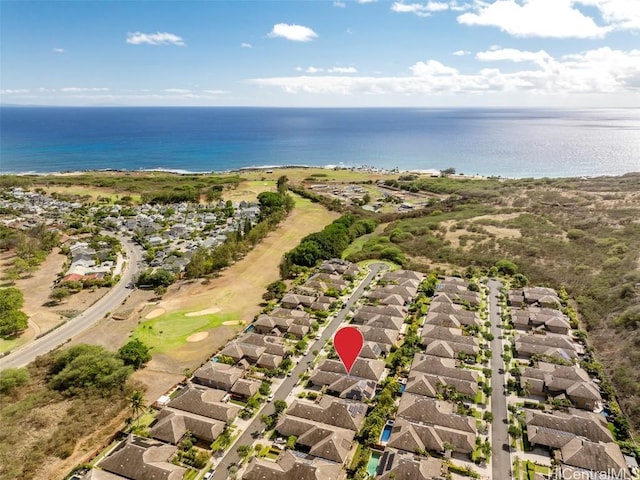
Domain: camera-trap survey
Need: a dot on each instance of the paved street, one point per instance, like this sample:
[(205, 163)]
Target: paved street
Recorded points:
[(108, 303), (287, 385), (500, 459)]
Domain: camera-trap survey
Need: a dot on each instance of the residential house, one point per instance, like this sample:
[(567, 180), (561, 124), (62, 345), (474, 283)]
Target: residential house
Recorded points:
[(139, 458), (331, 411), (551, 344), (324, 441), (290, 466), (217, 375), (540, 318), (204, 401), (448, 342), (416, 437), (548, 379), (409, 466), (170, 425), (292, 301), (444, 367), (384, 337)]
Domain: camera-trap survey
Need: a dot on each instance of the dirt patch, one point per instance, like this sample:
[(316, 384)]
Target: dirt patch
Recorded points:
[(197, 337), (155, 313), (207, 311)]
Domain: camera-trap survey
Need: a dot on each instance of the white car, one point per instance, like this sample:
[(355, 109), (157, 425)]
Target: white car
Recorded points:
[(270, 398)]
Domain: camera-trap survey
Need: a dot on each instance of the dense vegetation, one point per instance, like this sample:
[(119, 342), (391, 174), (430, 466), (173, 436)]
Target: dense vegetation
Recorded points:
[(154, 187), (580, 234), (328, 243), (46, 408), (274, 207), (31, 248), (12, 319)]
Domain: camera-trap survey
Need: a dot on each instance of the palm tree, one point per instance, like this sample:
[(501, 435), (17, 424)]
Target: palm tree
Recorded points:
[(137, 404)]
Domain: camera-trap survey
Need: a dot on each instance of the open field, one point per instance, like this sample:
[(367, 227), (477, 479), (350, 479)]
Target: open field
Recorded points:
[(297, 175), (249, 190), (92, 194)]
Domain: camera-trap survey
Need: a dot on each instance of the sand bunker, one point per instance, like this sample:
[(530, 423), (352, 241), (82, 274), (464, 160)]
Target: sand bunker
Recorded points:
[(155, 313), (232, 322), (208, 311), (197, 337)]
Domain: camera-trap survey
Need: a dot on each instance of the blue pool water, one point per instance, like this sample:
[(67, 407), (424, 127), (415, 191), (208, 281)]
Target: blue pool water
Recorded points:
[(403, 387), (386, 433), (372, 466)]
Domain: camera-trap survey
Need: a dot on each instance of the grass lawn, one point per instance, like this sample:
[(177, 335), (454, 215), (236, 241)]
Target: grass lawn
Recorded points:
[(7, 345), (171, 330), (93, 192)]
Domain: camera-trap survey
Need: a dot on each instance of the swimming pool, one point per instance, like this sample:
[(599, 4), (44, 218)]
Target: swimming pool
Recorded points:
[(386, 433), (372, 466)]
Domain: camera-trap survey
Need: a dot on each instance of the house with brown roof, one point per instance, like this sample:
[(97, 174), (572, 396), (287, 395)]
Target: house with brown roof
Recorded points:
[(206, 402), (404, 465), (384, 337), (139, 458), (331, 411), (324, 441), (360, 384), (252, 346), (170, 425), (340, 267), (548, 379), (397, 275), (323, 281), (378, 320), (555, 429), (580, 439), (431, 385), (245, 388), (291, 466), (443, 342), (419, 409), (415, 436), (217, 375), (322, 304), (551, 344), (442, 366), (391, 310), (293, 300), (543, 319)]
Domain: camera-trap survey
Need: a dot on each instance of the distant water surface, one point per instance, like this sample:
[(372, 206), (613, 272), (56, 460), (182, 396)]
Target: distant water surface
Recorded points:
[(506, 142)]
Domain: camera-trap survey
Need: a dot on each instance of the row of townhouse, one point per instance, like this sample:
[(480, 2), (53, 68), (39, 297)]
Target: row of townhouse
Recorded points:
[(548, 355), (325, 429)]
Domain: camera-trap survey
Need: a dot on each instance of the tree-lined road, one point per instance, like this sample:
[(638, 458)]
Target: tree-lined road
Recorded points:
[(246, 437), (108, 303), (500, 458)]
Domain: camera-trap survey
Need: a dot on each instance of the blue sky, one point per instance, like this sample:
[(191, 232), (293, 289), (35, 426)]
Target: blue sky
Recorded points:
[(321, 53)]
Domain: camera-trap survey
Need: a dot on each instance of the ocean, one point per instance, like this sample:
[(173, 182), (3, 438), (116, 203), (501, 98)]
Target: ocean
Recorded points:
[(500, 142)]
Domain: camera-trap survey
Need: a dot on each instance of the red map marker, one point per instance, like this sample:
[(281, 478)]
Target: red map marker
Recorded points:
[(348, 342)]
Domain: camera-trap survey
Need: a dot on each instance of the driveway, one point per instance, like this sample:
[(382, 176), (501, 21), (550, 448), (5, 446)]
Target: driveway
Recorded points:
[(500, 458), (246, 437), (108, 303)]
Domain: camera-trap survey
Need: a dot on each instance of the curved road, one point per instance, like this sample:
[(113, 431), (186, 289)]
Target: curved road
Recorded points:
[(246, 438), (108, 303)]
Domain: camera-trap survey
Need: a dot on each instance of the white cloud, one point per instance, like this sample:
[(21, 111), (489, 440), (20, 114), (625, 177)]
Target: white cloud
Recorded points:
[(246, 45), (593, 72), (540, 57), (13, 91), (461, 53), (58, 50), (342, 70), (158, 38), (535, 18), (180, 91), (216, 92), (339, 4), (313, 69), (620, 14), (420, 9), (83, 89), (296, 33), (366, 1)]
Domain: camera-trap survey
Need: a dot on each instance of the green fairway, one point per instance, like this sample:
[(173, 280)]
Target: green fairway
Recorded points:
[(171, 331)]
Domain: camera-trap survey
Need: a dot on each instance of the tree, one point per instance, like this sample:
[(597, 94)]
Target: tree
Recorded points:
[(10, 299), (87, 367), (160, 290), (366, 199), (448, 171), (12, 378), (280, 406), (59, 293), (134, 353), (137, 404), (506, 267), (12, 323), (244, 451), (282, 184)]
